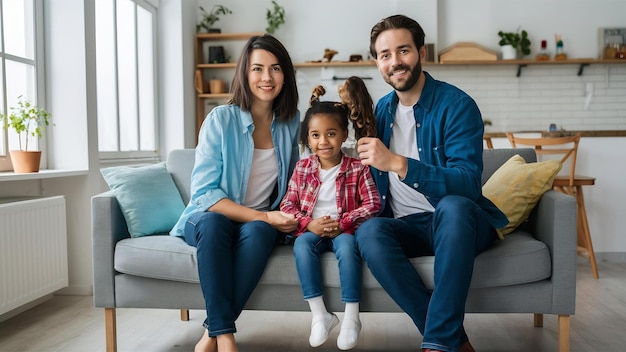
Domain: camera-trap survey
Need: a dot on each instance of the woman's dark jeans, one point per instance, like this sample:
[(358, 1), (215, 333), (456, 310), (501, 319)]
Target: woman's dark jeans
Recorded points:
[(231, 259)]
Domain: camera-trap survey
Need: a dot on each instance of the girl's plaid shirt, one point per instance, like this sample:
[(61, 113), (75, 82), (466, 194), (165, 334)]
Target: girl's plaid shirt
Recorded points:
[(357, 197)]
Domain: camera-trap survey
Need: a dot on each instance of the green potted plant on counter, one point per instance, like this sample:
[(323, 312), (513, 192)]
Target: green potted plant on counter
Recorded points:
[(209, 18), (28, 121), (513, 44)]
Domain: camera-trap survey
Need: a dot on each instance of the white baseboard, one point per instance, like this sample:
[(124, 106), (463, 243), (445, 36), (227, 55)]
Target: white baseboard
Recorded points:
[(613, 257), (21, 309), (76, 290)]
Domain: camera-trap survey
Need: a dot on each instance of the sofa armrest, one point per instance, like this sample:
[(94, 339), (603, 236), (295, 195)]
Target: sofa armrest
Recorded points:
[(556, 226), (108, 226)]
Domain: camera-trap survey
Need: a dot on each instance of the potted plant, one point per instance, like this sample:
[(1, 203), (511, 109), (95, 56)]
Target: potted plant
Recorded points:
[(209, 18), (28, 120), (275, 17), (514, 43)]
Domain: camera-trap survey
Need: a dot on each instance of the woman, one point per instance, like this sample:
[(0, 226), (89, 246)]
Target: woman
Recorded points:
[(245, 155)]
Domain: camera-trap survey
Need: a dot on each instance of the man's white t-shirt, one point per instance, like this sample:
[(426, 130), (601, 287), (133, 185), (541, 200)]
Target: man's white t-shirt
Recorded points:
[(404, 199)]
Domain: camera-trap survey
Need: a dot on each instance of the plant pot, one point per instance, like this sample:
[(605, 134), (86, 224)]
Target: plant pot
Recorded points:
[(25, 161), (216, 86), (508, 52)]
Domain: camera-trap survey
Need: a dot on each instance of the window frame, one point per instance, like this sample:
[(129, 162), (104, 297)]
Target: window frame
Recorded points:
[(38, 64), (137, 155)]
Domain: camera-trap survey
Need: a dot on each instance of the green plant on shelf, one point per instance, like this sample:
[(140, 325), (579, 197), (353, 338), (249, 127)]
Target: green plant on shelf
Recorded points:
[(275, 17), (209, 18), (519, 40)]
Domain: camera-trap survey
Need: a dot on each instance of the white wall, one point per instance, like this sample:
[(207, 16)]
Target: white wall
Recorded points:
[(346, 23), (576, 20), (313, 26), (177, 94)]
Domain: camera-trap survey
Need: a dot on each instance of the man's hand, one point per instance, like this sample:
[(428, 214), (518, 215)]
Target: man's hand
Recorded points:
[(282, 222), (374, 153), (325, 227)]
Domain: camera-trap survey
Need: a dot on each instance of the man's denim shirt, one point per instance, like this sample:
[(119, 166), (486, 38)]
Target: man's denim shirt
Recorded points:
[(450, 145), (224, 156)]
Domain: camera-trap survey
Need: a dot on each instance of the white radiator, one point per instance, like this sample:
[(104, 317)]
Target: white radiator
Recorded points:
[(33, 249)]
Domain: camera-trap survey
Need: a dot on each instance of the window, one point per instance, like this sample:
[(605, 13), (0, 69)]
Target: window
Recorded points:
[(19, 59), (126, 73)]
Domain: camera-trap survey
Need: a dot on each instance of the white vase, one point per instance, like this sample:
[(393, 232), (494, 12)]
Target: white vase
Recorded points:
[(508, 52)]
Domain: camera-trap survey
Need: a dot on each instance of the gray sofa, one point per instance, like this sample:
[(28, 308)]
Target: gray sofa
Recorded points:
[(531, 271)]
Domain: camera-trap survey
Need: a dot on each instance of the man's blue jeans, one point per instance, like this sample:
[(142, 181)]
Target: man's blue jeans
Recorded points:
[(455, 233), (307, 250), (231, 259)]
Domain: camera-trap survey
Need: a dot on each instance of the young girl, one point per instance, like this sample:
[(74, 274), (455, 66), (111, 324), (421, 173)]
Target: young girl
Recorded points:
[(330, 195)]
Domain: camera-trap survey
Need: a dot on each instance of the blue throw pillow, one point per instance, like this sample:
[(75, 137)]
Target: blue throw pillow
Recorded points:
[(148, 197)]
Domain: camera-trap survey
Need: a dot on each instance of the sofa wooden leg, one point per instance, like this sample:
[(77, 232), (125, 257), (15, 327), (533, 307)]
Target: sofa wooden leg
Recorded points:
[(111, 329), (563, 333), (184, 314), (538, 320)]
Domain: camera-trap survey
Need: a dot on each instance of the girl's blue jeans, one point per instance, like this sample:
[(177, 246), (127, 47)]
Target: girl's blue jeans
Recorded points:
[(308, 248), (231, 259), (455, 233)]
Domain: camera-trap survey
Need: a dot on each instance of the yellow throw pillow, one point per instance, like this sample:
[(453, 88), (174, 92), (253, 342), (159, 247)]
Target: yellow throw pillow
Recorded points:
[(516, 187)]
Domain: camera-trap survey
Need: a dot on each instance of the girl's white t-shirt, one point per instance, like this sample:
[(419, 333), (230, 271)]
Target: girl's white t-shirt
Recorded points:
[(327, 199)]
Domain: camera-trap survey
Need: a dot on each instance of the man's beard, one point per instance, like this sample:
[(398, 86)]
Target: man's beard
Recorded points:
[(410, 82)]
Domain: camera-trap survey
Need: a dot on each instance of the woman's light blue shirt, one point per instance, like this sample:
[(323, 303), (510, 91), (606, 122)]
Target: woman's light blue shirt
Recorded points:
[(224, 156)]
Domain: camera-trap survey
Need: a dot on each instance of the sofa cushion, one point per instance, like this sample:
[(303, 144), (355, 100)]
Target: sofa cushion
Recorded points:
[(517, 259), (148, 197), (162, 257), (516, 187)]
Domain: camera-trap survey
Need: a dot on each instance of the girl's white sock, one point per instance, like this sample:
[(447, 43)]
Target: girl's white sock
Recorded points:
[(352, 311), (317, 306)]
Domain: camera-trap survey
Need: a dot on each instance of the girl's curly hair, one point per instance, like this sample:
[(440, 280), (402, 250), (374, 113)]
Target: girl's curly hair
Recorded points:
[(355, 96)]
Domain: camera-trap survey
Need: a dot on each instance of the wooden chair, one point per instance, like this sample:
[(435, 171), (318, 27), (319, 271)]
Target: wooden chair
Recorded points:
[(571, 184), (488, 142)]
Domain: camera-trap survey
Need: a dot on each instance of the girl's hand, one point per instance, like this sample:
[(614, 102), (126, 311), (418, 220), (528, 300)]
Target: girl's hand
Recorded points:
[(282, 222), (325, 227)]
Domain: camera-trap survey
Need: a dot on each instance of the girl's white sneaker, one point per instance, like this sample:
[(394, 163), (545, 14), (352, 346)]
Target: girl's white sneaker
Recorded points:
[(321, 327), (349, 334)]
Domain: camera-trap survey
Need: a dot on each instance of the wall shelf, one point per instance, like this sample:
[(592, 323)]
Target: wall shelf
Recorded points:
[(202, 66), (212, 66), (334, 64), (214, 96), (584, 62), (202, 93)]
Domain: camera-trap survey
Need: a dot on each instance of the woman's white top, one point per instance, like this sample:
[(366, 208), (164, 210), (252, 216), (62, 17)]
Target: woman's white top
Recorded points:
[(263, 176)]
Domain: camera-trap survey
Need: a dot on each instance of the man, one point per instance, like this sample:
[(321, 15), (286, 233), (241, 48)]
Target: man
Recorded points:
[(427, 166)]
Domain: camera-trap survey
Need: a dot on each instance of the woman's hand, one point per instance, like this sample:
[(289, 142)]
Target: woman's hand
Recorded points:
[(325, 227), (282, 222)]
